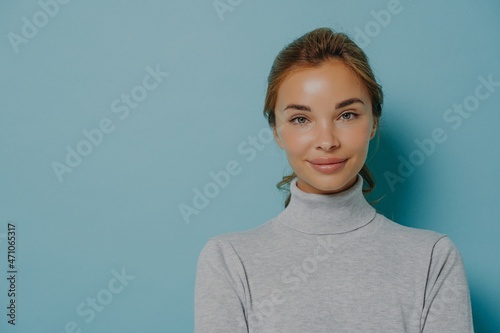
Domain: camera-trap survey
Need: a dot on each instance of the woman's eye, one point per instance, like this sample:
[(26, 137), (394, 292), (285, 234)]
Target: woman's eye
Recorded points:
[(348, 115), (299, 120)]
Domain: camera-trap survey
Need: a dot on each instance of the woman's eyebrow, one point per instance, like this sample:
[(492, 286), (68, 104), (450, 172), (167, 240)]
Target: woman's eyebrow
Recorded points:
[(339, 105), (297, 107), (348, 102)]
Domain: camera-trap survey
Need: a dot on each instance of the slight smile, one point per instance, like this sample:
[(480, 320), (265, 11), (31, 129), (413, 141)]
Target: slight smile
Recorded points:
[(327, 165)]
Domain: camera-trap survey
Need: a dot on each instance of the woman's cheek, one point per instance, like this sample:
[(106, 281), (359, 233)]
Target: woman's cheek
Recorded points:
[(295, 140), (360, 137)]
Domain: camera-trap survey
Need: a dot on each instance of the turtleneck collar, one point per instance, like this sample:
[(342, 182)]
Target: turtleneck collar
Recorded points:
[(336, 213)]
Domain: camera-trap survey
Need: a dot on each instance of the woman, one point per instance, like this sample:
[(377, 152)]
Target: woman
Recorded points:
[(329, 262)]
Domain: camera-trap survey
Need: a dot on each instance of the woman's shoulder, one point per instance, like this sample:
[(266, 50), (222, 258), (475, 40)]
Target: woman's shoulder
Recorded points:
[(416, 243), (243, 238), (395, 231)]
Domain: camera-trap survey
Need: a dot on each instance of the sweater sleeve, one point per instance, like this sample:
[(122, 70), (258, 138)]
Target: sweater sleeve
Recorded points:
[(447, 305), (219, 304)]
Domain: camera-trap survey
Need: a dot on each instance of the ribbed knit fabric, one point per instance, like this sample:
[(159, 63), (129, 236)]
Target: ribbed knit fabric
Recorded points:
[(331, 263)]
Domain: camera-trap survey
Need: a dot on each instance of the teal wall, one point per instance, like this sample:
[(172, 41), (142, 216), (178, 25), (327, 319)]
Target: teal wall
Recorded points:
[(114, 114)]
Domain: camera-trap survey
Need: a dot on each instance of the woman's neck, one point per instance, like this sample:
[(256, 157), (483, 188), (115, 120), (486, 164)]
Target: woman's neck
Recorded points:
[(336, 213)]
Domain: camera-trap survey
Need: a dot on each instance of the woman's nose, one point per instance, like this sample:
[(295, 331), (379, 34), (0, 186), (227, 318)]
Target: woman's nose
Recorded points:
[(326, 137)]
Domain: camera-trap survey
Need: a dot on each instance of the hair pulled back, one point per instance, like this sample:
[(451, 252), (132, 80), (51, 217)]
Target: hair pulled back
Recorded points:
[(312, 50)]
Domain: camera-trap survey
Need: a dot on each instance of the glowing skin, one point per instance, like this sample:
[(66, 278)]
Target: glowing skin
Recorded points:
[(324, 112)]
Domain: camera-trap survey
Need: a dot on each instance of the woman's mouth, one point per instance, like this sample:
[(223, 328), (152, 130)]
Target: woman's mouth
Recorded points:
[(328, 165)]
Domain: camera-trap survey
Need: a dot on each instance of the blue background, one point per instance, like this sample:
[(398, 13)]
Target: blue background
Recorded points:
[(119, 208)]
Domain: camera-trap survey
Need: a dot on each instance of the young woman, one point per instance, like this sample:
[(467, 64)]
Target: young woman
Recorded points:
[(329, 262)]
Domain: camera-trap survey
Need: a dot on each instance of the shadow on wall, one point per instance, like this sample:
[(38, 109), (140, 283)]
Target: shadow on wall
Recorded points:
[(483, 314), (398, 205), (393, 187)]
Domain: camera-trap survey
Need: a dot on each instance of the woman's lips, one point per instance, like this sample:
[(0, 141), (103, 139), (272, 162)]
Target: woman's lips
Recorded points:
[(327, 165)]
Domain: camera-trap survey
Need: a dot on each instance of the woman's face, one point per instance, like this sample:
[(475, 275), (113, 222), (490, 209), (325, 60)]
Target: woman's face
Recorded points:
[(324, 122)]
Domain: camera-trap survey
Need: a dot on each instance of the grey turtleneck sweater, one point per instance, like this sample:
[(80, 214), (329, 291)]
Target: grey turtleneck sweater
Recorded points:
[(331, 263)]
